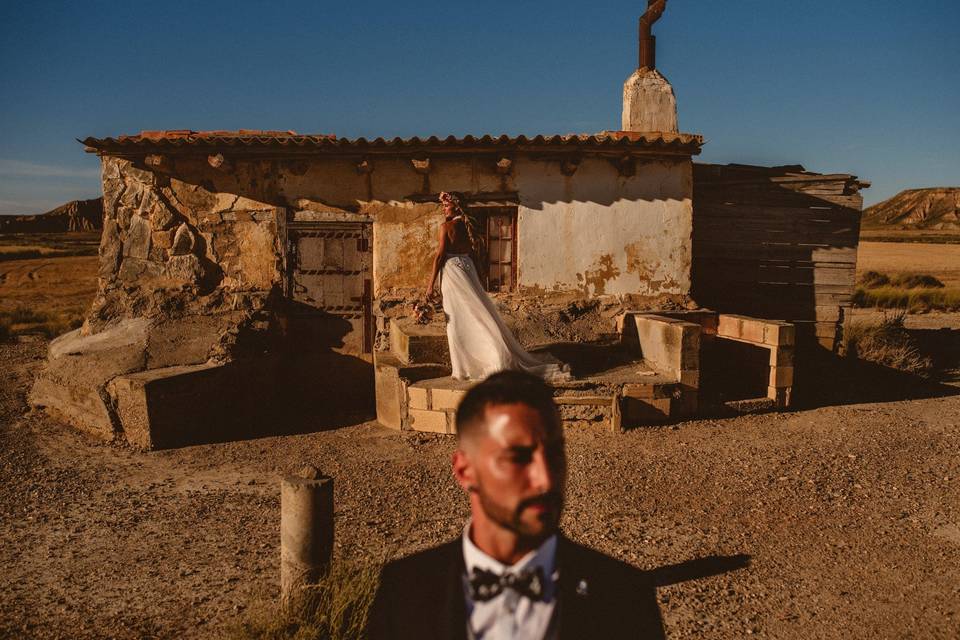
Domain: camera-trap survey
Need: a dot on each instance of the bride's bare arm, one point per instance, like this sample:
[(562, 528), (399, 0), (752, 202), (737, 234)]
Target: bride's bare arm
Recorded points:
[(438, 259)]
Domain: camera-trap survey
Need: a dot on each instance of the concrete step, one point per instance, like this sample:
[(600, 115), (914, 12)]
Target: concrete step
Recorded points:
[(194, 404), (431, 404), (414, 343)]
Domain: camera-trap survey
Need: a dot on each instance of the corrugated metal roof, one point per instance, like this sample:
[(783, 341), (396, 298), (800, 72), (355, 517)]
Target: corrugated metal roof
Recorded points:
[(147, 141)]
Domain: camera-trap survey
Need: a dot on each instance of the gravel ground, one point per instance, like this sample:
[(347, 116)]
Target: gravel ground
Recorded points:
[(835, 522)]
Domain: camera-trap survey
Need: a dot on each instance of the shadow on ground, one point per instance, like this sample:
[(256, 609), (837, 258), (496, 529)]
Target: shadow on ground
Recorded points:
[(698, 568), (590, 358), (823, 379)]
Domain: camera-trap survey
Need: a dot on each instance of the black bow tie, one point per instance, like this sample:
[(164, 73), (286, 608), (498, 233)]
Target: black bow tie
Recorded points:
[(486, 585)]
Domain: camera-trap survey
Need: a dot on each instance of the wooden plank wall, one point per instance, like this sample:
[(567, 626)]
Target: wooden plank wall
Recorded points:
[(777, 243)]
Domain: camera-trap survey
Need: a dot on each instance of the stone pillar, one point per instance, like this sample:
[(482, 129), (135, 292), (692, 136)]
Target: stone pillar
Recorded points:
[(648, 103), (306, 529)]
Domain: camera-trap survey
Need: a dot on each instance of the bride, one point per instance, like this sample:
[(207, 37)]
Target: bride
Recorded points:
[(480, 342)]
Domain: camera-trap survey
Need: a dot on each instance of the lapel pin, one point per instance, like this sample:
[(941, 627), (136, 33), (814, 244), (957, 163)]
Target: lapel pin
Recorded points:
[(583, 589)]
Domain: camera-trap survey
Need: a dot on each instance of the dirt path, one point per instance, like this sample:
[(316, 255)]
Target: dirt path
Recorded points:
[(847, 519)]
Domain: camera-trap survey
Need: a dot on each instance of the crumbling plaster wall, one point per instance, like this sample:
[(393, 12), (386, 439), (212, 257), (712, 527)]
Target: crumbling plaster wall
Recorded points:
[(601, 232), (219, 230), (386, 190)]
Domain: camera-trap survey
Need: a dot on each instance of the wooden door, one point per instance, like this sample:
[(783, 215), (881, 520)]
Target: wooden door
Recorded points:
[(330, 283)]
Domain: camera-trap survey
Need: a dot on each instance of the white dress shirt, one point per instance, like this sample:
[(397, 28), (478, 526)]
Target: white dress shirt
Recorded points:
[(509, 614)]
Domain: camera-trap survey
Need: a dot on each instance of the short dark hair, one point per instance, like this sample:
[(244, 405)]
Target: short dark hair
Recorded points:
[(506, 387)]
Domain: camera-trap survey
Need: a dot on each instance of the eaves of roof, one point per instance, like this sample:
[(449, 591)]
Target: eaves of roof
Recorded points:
[(289, 141)]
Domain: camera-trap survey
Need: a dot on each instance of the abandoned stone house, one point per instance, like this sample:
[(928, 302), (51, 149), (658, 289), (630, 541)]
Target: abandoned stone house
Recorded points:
[(237, 266)]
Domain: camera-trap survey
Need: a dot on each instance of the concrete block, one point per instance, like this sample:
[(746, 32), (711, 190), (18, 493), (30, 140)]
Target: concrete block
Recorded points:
[(781, 397), (194, 404), (781, 357), (431, 421), (616, 414), (637, 412), (447, 399), (667, 344), (639, 391), (390, 391), (642, 391), (729, 326), (706, 318), (781, 377), (690, 346), (752, 330), (416, 343), (418, 397), (399, 342), (72, 384), (779, 333), (182, 341), (80, 405), (659, 345)]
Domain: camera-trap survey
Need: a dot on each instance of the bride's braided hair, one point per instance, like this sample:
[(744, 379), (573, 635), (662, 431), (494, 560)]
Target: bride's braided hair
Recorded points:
[(470, 222)]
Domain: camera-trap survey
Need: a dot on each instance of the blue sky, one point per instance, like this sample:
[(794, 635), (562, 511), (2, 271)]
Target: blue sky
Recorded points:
[(854, 86)]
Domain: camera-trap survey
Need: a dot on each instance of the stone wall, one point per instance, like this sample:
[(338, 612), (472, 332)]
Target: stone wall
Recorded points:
[(173, 248), (189, 280)]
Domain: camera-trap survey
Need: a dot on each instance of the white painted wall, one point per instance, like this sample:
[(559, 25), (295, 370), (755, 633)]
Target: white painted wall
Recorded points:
[(604, 233)]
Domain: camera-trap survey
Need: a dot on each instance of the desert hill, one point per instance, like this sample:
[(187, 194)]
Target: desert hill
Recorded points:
[(936, 209), (78, 215)]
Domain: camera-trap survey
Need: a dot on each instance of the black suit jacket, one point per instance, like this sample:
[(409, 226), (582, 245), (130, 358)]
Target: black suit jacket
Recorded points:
[(421, 596)]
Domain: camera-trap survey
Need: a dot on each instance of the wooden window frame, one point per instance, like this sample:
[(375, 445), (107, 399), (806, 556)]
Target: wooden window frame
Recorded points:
[(484, 213)]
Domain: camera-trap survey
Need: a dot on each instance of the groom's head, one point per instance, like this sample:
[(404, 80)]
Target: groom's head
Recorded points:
[(510, 456)]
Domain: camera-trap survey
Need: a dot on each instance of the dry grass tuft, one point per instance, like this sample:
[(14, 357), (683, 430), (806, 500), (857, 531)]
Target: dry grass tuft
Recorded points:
[(873, 279), (919, 300), (335, 609), (917, 281), (51, 324), (887, 343), (876, 280), (915, 292)]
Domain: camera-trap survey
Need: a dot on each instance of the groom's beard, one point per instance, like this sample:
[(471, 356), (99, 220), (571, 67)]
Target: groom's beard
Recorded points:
[(533, 519)]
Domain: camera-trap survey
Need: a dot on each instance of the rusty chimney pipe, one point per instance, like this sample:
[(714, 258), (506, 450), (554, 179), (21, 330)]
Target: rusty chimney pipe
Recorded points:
[(648, 42)]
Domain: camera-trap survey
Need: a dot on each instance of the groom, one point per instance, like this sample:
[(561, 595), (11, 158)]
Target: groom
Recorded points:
[(512, 574)]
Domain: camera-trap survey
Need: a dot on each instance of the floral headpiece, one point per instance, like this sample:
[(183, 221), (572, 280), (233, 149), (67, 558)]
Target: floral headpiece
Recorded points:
[(449, 198)]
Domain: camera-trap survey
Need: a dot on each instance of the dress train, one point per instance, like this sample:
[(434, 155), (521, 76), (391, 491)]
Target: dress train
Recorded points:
[(481, 344)]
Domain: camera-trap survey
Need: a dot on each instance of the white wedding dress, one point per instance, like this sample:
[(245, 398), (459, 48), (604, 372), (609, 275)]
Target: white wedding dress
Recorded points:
[(480, 343)]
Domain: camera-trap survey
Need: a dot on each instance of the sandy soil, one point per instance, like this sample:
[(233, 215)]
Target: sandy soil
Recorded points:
[(833, 522), (940, 260), (48, 284)]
